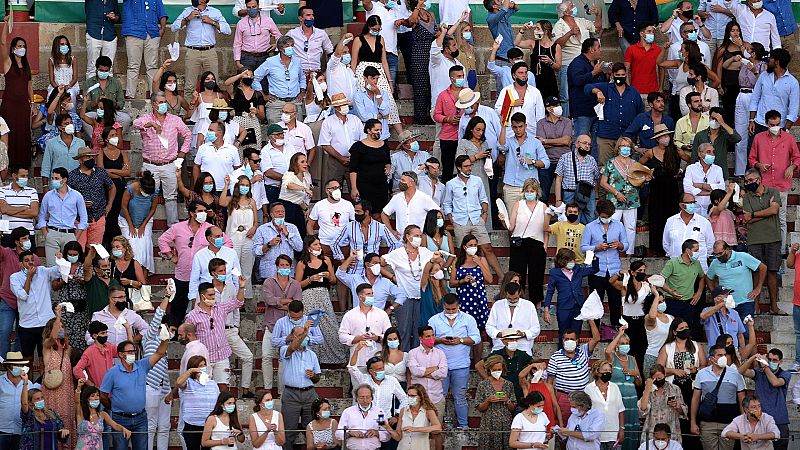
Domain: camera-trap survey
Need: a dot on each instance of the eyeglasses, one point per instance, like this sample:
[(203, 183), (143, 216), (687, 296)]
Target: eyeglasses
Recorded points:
[(465, 191), (305, 46), (211, 320), (255, 30), (286, 74)]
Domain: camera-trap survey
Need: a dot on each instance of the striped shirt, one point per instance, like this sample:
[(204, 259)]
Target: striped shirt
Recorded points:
[(352, 236), (24, 197), (157, 377), (570, 374), (211, 328)]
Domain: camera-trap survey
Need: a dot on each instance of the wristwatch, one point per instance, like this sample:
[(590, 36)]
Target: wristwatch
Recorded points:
[(460, 340)]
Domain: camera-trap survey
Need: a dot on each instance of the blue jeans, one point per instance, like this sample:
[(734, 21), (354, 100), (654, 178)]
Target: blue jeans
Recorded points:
[(391, 59), (8, 316), (586, 125), (546, 177), (588, 214), (796, 317), (563, 90), (459, 379), (747, 309), (138, 427)]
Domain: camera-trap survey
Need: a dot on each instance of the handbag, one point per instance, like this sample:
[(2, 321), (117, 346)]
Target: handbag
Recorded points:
[(141, 298), (583, 189), (708, 405), (54, 377)]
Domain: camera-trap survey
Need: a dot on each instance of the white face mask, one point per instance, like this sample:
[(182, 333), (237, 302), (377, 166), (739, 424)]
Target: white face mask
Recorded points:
[(336, 195), (285, 118), (375, 269), (472, 251), (279, 142), (451, 316), (496, 374), (570, 345), (438, 275), (722, 362), (316, 252), (513, 346), (775, 130), (416, 241), (69, 129), (558, 110), (344, 109), (171, 87), (758, 5), (660, 445), (201, 217), (730, 303), (323, 86), (113, 141), (713, 124)]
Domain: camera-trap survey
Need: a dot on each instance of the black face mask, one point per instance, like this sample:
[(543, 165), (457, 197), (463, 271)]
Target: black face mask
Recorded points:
[(521, 82), (605, 377), (751, 187), (641, 276), (183, 341), (683, 334), (583, 151), (210, 85), (247, 81), (360, 217), (620, 80), (121, 305), (770, 69), (723, 258), (89, 164), (660, 383), (572, 218), (454, 54), (691, 81), (101, 339), (688, 14)]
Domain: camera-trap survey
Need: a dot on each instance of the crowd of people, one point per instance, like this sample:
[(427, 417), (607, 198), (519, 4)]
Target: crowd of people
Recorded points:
[(259, 155)]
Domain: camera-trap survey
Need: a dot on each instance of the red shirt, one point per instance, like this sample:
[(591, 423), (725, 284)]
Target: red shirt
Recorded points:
[(9, 264), (644, 76), (777, 152), (96, 362), (445, 107)]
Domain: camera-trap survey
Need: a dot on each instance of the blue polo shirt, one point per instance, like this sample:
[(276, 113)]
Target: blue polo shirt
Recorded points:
[(140, 18), (579, 74), (773, 399), (618, 110), (127, 389), (736, 274), (730, 324)]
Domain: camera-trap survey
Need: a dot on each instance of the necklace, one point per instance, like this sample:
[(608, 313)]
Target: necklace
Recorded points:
[(418, 276)]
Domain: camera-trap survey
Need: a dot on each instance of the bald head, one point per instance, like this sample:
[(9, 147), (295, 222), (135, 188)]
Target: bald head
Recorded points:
[(583, 143)]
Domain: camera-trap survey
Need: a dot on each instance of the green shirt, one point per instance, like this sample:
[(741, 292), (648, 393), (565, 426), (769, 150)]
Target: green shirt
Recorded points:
[(113, 92), (768, 229), (681, 277), (720, 146), (514, 366)]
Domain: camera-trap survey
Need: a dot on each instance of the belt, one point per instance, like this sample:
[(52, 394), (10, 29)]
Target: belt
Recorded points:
[(633, 317), (128, 415), (61, 230), (257, 54), (149, 161), (228, 327), (745, 91), (286, 99), (307, 388), (567, 190), (201, 49)]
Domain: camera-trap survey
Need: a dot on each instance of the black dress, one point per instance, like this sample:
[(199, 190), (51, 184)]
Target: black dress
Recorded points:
[(370, 165), (129, 273), (366, 54), (730, 82), (544, 73), (665, 190), (112, 227), (424, 35)]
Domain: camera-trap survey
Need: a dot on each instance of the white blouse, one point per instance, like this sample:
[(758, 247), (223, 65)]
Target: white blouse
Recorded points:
[(527, 226), (610, 407)]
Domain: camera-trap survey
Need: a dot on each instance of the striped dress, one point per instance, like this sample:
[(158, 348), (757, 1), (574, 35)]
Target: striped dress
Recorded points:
[(630, 399)]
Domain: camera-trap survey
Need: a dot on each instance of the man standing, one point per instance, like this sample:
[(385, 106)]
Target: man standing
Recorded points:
[(555, 134), (718, 319), (143, 24), (274, 238), (338, 133), (702, 177), (160, 131), (216, 157), (409, 206), (761, 209), (361, 422), (688, 224), (716, 19), (448, 116), (409, 157), (517, 314), (427, 365), (642, 129), (524, 155), (684, 14), (364, 322), (429, 182), (757, 24), (621, 104), (104, 84), (275, 158), (252, 39), (309, 42), (9, 264), (729, 396), (101, 32), (331, 214), (775, 154), (31, 285), (202, 23), (499, 13), (300, 372), (784, 19), (578, 170), (285, 79), (720, 135), (118, 307), (19, 205), (687, 126), (585, 69), (62, 207), (370, 102), (681, 274), (468, 213), (298, 135), (60, 150), (219, 246), (443, 54), (735, 271), (364, 235), (772, 384), (158, 412), (776, 89), (456, 332), (629, 19), (339, 75), (526, 98), (98, 191), (124, 392), (640, 61), (283, 334)]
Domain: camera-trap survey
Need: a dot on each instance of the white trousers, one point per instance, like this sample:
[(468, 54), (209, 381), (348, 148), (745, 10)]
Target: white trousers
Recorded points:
[(94, 49), (267, 353), (239, 348), (742, 121), (158, 423), (628, 218)]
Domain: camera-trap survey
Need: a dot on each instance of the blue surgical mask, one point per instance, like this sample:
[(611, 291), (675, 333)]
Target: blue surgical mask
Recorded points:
[(574, 11), (162, 108), (393, 343), (369, 301), (117, 253), (374, 33), (414, 146), (208, 187), (26, 245), (16, 371), (230, 409), (103, 75), (284, 271), (22, 182), (94, 403), (575, 411), (100, 113), (219, 242), (571, 265), (691, 208), (625, 151), (278, 221), (459, 82), (773, 366), (221, 278), (248, 171), (468, 110), (624, 348), (297, 322), (439, 222), (467, 35), (63, 49), (252, 12), (380, 375), (288, 51), (692, 36), (391, 4), (38, 404), (661, 307), (55, 184), (649, 38), (71, 258), (305, 342), (346, 58), (530, 196), (244, 190), (269, 404), (223, 115), (537, 411), (211, 136), (325, 414), (709, 159)]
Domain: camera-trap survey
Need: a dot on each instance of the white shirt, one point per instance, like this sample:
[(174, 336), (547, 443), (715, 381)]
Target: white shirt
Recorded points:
[(761, 28), (355, 323), (239, 5), (671, 445), (385, 393), (341, 135), (675, 49), (412, 212), (388, 30), (525, 319), (532, 433), (698, 228), (408, 275), (331, 218), (572, 48), (450, 11), (696, 174), (610, 406), (340, 78), (674, 32), (200, 266), (275, 159), (217, 162), (716, 22), (436, 191), (299, 139), (439, 69), (257, 189), (709, 97), (232, 130), (532, 107)]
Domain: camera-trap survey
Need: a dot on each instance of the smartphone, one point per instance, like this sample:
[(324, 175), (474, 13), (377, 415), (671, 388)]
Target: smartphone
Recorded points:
[(586, 8), (450, 338), (499, 394), (381, 419)]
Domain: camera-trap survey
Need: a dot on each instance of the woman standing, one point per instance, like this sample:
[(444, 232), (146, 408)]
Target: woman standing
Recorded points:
[(545, 56), (472, 271), (474, 145), (462, 33), (321, 431), (433, 288), (537, 382), (497, 405), (16, 107), (105, 114), (529, 428), (249, 108), (425, 29), (91, 419), (124, 268), (607, 399), (115, 162), (139, 204), (197, 394), (266, 424), (625, 374), (528, 235), (315, 274), (656, 326), (56, 357), (731, 47), (73, 291), (370, 165), (665, 188), (41, 426), (436, 237), (661, 402), (202, 191), (619, 191), (296, 192), (166, 81), (634, 288), (242, 223), (394, 359), (566, 279), (222, 428), (203, 98), (416, 421)]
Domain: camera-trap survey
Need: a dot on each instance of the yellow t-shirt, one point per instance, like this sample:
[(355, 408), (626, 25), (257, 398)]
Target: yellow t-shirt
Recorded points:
[(569, 235)]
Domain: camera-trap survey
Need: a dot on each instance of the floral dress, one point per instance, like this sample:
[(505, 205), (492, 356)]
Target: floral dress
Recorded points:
[(61, 399), (497, 417), (658, 411), (90, 435), (39, 435), (75, 324), (618, 178), (472, 296)]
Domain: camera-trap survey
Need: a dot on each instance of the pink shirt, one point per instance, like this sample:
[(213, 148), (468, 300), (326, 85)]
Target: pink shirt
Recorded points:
[(214, 338), (116, 336), (193, 348), (96, 362), (446, 106), (253, 35), (778, 152), (419, 359), (724, 227), (355, 323), (172, 127), (9, 264), (272, 294), (179, 236)]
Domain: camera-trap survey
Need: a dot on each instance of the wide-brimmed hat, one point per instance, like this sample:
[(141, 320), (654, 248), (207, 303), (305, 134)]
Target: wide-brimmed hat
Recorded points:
[(657, 280), (83, 151), (407, 135), (15, 358), (220, 103), (639, 174), (466, 98), (340, 100), (509, 333), (660, 130)]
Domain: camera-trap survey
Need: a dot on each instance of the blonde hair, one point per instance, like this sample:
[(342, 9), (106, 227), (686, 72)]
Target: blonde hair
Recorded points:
[(493, 360), (598, 365), (533, 183), (126, 244), (622, 141)]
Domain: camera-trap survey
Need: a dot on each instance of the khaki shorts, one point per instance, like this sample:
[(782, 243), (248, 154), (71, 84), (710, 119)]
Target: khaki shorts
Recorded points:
[(479, 231), (440, 408)]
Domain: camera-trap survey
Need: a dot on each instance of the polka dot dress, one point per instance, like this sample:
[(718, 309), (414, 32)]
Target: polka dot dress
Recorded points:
[(472, 296)]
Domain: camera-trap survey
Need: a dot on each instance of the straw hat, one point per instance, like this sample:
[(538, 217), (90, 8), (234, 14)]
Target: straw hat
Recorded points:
[(339, 100), (83, 151), (15, 358), (660, 130), (220, 103), (466, 98), (407, 135), (639, 174)]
